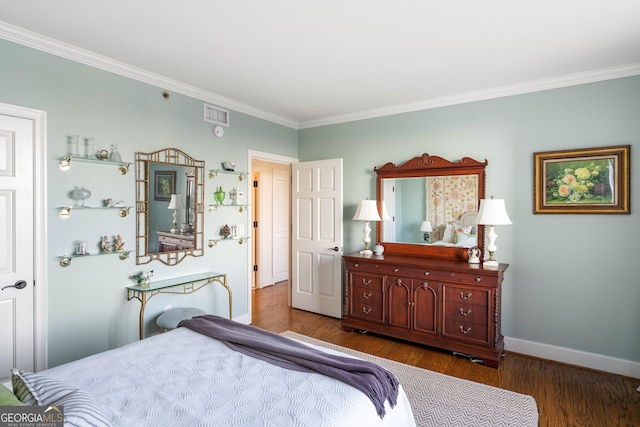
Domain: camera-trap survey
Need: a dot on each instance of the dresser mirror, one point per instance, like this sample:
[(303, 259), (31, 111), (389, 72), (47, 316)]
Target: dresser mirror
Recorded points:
[(170, 206), (431, 205)]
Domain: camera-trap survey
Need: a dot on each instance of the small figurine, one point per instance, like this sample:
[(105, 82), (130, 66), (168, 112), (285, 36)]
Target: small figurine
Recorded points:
[(236, 195), (225, 231), (119, 243), (106, 244), (474, 255)]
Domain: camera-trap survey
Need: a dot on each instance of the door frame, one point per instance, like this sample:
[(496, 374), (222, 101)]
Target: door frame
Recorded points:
[(275, 158), (39, 119)]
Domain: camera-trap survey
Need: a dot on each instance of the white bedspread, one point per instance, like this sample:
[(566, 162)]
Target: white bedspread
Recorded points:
[(182, 378)]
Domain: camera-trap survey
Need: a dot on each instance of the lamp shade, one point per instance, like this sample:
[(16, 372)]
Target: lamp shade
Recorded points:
[(426, 226), (176, 202), (492, 212), (367, 211)]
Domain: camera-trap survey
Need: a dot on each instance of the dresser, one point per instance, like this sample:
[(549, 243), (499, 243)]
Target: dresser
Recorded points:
[(449, 304), (177, 241)]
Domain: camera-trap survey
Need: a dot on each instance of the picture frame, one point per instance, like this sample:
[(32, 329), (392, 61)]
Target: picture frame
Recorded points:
[(164, 185), (582, 181)]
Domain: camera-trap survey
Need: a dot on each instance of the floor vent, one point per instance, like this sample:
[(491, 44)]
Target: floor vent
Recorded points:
[(216, 115)]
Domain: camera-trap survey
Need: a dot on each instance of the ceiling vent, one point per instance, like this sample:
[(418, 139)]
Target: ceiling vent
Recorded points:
[(217, 115)]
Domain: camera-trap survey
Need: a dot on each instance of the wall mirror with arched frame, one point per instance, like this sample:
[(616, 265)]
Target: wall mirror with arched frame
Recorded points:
[(170, 206), (430, 189)]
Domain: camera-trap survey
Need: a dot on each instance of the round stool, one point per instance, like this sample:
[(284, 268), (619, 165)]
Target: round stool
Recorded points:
[(170, 318)]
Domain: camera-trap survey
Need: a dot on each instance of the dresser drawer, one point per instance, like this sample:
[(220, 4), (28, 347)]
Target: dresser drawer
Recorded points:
[(467, 296), (368, 310), (454, 276), (466, 331), (467, 313), (366, 297), (366, 281), (378, 268)]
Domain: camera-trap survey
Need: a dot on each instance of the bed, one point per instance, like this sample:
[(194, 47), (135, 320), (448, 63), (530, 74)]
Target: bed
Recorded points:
[(459, 233), (184, 378)]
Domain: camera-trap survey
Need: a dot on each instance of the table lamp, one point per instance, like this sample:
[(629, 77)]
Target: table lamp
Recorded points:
[(175, 204), (367, 211), (426, 228), (492, 212)]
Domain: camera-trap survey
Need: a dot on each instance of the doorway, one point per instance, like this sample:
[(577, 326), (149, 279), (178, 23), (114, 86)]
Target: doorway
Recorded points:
[(270, 220)]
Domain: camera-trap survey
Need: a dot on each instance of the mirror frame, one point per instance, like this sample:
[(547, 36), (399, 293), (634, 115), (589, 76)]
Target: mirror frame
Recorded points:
[(169, 156), (424, 166)]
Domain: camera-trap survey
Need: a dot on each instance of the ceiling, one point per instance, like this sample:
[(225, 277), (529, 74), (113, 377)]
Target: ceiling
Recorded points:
[(309, 63)]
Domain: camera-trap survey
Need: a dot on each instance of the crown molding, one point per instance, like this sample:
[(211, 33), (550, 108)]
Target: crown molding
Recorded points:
[(482, 95), (73, 53), (55, 47)]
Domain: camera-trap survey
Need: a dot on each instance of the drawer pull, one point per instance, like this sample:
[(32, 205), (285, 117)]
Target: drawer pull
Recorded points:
[(366, 310), (478, 279), (465, 296), (426, 273), (368, 295), (465, 331), (356, 265), (366, 282), (465, 313), (396, 269), (399, 282)]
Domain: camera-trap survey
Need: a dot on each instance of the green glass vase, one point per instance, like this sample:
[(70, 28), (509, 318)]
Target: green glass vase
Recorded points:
[(219, 195)]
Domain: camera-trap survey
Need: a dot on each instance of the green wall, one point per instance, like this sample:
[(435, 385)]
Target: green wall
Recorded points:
[(573, 279), (87, 307)]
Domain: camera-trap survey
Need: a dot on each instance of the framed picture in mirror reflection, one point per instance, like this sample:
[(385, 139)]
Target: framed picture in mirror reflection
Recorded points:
[(164, 185)]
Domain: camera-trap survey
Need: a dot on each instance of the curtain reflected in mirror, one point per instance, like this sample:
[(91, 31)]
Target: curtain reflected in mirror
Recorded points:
[(170, 206)]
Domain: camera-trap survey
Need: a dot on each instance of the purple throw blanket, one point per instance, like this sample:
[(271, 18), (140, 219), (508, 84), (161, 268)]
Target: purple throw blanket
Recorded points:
[(376, 382)]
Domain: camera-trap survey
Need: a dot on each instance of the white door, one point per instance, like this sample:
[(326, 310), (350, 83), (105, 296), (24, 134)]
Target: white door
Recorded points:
[(317, 237), (16, 244), (281, 222), (388, 226)]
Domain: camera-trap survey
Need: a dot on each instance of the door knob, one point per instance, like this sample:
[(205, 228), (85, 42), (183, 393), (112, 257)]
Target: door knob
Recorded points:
[(335, 248), (20, 284)]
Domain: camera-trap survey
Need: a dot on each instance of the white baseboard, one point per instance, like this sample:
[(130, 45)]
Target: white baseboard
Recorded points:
[(570, 356)]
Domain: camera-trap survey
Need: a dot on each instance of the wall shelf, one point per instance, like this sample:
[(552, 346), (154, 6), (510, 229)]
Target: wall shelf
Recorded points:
[(65, 211), (65, 260), (241, 175), (65, 163), (240, 207), (240, 240), (236, 195)]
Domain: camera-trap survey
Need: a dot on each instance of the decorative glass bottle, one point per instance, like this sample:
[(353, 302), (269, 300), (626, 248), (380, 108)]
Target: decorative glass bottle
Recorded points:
[(75, 145), (219, 195), (115, 154), (91, 151)]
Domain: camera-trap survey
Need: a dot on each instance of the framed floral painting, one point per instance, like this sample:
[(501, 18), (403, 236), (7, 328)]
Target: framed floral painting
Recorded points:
[(585, 181)]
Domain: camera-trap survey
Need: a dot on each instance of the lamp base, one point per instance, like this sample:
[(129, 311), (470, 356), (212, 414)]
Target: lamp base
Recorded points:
[(366, 252), (493, 263)]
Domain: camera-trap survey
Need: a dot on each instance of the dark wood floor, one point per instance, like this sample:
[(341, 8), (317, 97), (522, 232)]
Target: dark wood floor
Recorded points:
[(566, 395)]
